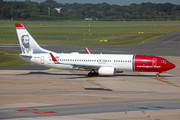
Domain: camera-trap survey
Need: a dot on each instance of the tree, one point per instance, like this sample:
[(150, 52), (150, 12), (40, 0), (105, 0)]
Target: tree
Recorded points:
[(39, 11)]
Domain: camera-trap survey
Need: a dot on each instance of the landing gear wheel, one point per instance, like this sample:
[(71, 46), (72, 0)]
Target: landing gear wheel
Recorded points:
[(157, 75), (90, 74), (95, 73)]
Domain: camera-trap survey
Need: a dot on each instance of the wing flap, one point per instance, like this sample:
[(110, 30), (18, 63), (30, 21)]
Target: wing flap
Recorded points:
[(84, 67)]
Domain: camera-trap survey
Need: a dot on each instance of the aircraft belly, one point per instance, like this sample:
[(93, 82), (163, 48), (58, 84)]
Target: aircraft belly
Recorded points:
[(124, 67), (59, 66)]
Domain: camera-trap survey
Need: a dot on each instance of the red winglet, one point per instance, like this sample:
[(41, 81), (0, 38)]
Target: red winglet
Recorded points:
[(19, 25), (53, 58), (87, 51)]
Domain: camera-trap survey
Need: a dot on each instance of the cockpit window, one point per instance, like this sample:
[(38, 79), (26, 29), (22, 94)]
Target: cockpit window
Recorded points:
[(164, 61)]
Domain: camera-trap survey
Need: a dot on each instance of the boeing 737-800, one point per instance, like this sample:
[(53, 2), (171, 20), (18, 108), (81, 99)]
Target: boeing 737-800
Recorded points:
[(102, 64)]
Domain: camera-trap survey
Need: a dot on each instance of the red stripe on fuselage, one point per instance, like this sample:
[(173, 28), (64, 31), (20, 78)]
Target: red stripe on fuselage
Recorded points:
[(146, 63)]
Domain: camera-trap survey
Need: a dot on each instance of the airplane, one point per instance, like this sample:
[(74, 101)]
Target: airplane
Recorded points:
[(97, 64)]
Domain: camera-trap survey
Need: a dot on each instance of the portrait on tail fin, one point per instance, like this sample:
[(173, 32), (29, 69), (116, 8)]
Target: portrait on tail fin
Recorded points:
[(26, 45)]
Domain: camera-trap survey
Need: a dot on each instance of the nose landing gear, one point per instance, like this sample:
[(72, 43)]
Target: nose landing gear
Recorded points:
[(158, 74)]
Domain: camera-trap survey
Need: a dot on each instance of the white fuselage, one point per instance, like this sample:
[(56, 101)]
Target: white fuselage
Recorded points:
[(120, 62), (97, 64)]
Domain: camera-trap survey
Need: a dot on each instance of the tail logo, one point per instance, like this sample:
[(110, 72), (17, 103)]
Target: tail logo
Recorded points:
[(26, 45)]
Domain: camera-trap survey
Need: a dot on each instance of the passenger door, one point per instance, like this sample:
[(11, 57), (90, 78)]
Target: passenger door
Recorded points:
[(42, 59)]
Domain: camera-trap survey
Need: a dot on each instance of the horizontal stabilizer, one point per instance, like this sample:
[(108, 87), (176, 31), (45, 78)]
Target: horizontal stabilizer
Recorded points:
[(25, 55)]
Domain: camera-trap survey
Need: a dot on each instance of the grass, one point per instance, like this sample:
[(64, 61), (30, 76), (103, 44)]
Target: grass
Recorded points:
[(8, 57), (123, 35), (11, 23)]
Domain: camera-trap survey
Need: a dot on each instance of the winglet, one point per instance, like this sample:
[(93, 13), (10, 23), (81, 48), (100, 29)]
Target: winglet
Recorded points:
[(54, 59), (87, 51), (19, 25)]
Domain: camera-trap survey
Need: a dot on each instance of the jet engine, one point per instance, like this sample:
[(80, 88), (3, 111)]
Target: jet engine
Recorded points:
[(107, 71)]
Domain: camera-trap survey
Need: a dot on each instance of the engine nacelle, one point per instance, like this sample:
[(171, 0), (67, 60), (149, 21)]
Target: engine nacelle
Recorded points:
[(107, 71)]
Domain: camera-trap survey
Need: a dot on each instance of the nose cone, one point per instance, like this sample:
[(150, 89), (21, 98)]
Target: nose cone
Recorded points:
[(171, 65)]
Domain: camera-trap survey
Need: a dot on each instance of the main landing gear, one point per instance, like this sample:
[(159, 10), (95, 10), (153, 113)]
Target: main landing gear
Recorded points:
[(92, 73)]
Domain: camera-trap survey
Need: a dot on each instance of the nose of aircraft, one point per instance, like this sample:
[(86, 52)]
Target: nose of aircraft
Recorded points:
[(171, 65)]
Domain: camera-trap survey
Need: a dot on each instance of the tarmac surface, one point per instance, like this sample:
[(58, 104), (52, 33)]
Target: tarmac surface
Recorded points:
[(28, 92), (59, 94), (101, 107)]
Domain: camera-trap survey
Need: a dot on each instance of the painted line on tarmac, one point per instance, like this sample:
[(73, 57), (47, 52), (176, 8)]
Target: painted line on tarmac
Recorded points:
[(165, 43), (139, 107), (158, 78), (9, 46), (78, 108), (46, 112), (27, 110), (166, 82), (146, 82), (154, 106)]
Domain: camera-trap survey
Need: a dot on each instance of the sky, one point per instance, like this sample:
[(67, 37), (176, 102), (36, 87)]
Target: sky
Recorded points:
[(118, 2)]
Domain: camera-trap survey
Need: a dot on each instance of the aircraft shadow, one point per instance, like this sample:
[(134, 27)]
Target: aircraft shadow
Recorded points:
[(86, 76)]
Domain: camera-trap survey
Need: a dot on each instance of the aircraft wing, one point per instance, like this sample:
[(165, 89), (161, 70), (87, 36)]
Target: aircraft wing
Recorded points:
[(78, 66), (84, 67)]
